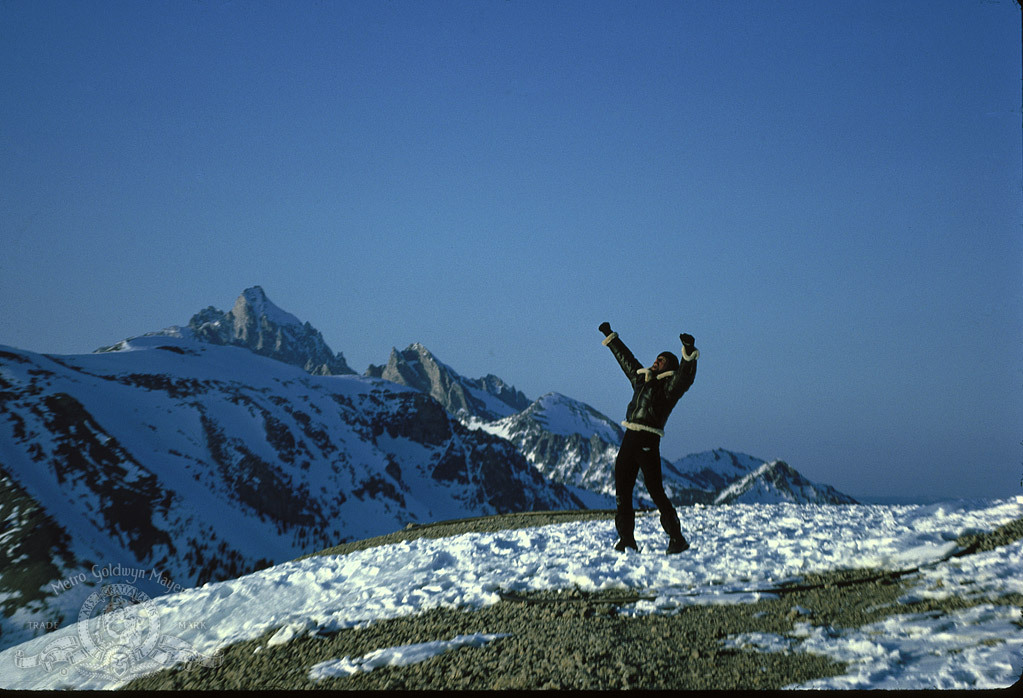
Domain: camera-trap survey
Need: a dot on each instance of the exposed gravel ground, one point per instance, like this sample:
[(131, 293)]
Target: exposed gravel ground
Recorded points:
[(576, 640)]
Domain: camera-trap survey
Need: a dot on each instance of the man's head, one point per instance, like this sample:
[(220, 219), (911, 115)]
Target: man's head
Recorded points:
[(666, 361)]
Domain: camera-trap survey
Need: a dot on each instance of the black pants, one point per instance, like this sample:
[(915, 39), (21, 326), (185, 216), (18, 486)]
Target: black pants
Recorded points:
[(641, 451)]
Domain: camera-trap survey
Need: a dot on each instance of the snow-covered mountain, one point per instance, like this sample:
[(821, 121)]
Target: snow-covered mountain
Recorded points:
[(567, 440), (481, 399), (777, 482), (197, 462), (711, 471), (255, 323)]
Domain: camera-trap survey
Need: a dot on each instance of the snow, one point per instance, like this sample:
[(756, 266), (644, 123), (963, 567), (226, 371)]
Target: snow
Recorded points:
[(739, 552), (980, 647), (397, 656)]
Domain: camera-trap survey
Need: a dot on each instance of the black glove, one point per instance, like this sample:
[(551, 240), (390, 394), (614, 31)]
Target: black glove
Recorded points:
[(687, 340), (605, 327)]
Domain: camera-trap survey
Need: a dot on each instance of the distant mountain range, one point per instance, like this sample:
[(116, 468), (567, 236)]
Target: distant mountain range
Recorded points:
[(206, 451)]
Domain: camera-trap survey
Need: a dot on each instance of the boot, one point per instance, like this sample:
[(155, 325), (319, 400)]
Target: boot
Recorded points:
[(621, 545), (676, 544)]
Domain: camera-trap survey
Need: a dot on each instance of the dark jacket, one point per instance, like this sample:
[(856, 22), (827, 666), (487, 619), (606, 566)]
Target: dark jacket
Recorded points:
[(654, 396)]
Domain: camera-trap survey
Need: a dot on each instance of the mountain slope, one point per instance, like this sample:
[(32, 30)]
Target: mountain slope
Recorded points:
[(204, 462)]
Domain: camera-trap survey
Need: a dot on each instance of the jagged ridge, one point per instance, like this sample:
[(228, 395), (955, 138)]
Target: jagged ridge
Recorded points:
[(481, 399)]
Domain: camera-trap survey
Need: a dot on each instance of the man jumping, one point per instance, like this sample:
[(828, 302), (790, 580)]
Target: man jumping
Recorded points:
[(656, 390)]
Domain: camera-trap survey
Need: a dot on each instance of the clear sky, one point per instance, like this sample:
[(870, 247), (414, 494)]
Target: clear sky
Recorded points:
[(828, 195)]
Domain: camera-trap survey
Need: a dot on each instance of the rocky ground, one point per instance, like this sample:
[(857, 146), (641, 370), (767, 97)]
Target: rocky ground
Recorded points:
[(575, 640)]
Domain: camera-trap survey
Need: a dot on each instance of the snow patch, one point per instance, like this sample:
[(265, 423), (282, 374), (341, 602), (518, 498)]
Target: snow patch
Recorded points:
[(397, 656)]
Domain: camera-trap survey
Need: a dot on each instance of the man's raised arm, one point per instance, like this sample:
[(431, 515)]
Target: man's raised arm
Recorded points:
[(686, 373), (630, 365)]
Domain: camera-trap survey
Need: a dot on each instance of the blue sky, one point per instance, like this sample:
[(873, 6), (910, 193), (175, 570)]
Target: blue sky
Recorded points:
[(827, 195)]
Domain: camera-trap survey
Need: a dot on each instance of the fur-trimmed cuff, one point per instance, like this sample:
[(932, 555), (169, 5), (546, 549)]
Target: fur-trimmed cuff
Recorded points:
[(690, 357), (634, 426), (607, 339)]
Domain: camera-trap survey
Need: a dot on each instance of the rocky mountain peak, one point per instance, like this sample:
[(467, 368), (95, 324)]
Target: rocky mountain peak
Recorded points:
[(253, 307), (484, 399), (256, 323)]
